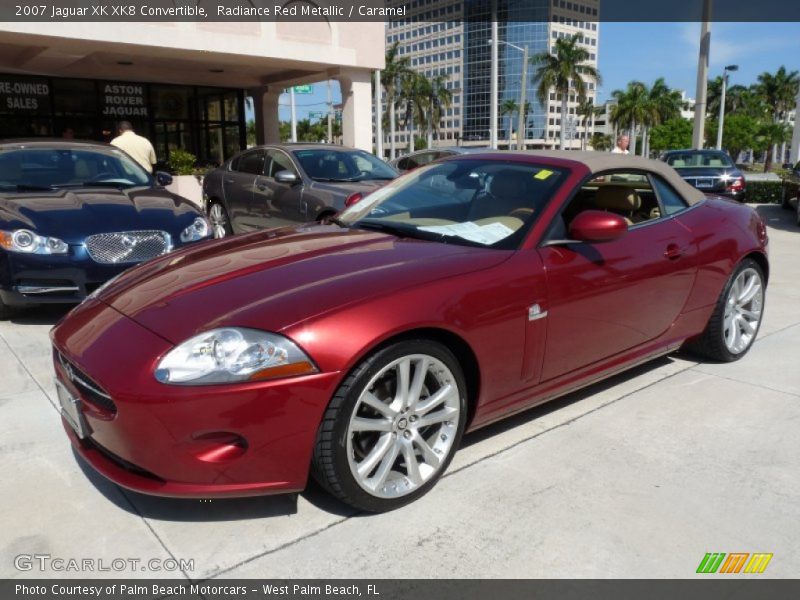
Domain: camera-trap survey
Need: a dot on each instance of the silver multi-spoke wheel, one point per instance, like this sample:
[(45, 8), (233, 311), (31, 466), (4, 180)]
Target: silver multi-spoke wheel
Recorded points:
[(403, 426), (743, 310), (219, 220)]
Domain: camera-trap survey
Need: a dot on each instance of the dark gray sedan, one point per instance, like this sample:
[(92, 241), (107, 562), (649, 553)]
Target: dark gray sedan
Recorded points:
[(277, 185)]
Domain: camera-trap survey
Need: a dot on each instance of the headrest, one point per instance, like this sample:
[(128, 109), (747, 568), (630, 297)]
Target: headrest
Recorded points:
[(508, 185), (678, 163), (714, 162), (617, 197)]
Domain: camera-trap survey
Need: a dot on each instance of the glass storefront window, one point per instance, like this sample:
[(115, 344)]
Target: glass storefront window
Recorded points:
[(170, 102)]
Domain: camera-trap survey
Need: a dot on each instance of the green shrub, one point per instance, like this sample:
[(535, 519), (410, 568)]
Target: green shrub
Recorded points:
[(181, 162), (764, 192)]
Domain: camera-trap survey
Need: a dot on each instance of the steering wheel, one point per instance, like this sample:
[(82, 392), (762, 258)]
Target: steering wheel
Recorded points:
[(521, 213)]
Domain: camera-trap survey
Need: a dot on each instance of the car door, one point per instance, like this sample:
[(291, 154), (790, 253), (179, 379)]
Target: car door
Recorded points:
[(277, 204), (238, 185), (607, 298)]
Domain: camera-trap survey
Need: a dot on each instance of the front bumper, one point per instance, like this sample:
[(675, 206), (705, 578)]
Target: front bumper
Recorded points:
[(183, 441)]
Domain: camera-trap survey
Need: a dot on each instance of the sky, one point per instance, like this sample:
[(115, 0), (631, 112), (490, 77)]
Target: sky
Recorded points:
[(646, 51)]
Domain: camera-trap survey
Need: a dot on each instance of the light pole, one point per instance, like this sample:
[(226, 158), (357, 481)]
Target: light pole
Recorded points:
[(702, 78), (494, 76), (522, 90), (722, 103)]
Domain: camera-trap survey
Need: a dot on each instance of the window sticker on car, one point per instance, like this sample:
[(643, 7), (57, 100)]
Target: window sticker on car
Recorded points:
[(543, 174), (483, 234)]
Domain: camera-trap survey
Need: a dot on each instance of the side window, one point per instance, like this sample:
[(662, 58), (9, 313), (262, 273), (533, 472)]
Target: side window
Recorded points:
[(252, 162), (628, 194), (671, 201), (279, 162)]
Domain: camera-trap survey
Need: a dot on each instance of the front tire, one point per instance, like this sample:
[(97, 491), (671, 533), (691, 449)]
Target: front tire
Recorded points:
[(392, 427), (220, 222), (737, 316)]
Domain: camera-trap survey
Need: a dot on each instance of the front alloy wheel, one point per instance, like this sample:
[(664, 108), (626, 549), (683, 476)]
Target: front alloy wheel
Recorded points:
[(393, 426), (220, 224)]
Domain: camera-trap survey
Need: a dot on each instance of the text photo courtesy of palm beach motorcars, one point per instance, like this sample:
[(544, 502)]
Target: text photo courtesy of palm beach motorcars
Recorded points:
[(445, 295)]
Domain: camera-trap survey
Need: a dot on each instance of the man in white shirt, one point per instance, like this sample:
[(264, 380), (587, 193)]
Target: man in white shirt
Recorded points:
[(138, 148), (622, 145)]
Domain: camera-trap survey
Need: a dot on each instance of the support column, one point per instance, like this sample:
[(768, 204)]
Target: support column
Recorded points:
[(356, 108), (265, 109), (795, 147)]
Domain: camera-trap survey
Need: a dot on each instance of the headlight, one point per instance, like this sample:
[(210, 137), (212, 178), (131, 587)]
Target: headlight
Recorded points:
[(230, 355), (25, 240), (196, 231)]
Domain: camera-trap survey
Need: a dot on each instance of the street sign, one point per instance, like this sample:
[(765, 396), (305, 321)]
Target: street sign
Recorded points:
[(316, 114), (302, 89)]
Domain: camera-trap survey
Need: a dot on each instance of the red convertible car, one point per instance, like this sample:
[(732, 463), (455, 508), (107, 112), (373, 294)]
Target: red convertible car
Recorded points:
[(360, 351)]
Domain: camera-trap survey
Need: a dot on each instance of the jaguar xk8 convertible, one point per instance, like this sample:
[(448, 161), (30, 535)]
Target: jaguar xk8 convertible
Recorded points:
[(75, 214), (362, 349)]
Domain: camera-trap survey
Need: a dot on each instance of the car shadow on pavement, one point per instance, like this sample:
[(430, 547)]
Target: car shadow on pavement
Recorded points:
[(202, 510), (537, 412), (778, 218), (43, 314)]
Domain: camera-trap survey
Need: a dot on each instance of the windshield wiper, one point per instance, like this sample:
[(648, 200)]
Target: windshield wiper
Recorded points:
[(116, 184), (336, 179)]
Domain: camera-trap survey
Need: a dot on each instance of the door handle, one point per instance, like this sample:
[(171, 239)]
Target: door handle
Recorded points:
[(673, 252)]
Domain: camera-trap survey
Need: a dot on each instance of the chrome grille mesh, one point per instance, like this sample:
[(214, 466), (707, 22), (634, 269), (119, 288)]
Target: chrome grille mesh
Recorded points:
[(127, 246)]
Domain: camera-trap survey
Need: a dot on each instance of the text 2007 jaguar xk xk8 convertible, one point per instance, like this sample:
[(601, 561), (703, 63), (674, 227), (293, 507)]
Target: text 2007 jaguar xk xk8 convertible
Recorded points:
[(361, 350)]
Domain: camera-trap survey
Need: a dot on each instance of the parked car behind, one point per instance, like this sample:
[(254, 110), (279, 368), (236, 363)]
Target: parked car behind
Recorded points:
[(75, 214), (791, 191), (412, 161), (277, 185), (710, 171)]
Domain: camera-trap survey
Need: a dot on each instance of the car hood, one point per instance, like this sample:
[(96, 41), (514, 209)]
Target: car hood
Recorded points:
[(71, 215), (273, 279)]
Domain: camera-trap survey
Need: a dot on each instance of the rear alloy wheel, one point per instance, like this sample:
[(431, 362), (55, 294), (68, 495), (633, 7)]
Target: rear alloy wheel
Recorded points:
[(392, 427), (737, 317), (220, 223)]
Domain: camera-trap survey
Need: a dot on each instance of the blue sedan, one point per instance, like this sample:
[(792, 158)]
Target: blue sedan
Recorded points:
[(75, 214)]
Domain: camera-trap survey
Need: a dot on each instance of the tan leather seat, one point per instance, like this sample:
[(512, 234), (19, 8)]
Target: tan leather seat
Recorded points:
[(619, 199)]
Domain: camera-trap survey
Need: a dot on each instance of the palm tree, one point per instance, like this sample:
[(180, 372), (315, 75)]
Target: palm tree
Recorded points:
[(631, 108), (438, 99), (770, 135), (778, 91), (509, 107), (563, 71), (586, 110), (415, 92), (396, 67), (663, 104)]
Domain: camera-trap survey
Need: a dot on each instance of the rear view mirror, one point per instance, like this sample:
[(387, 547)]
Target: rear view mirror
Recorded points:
[(597, 226), (286, 177)]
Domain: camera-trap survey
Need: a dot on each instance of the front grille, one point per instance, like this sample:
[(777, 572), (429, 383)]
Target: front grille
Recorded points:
[(128, 246), (90, 391)]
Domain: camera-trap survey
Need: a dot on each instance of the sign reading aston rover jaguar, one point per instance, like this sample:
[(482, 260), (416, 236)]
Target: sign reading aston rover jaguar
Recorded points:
[(124, 100)]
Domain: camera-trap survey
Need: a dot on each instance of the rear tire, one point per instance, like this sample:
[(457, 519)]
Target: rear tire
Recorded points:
[(392, 427), (737, 316)]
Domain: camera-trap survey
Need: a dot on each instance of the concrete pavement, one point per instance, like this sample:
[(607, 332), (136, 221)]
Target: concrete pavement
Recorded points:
[(639, 476)]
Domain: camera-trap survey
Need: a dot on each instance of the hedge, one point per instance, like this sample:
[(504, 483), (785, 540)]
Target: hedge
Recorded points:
[(764, 192)]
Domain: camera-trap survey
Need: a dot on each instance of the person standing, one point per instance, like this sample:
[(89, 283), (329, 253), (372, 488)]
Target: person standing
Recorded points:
[(622, 145), (138, 147)]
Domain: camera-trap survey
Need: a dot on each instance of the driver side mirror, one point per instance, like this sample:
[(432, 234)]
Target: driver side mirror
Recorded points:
[(163, 179), (597, 226), (286, 177)]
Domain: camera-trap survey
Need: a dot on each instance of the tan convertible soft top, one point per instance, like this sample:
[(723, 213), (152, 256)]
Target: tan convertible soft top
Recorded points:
[(597, 162)]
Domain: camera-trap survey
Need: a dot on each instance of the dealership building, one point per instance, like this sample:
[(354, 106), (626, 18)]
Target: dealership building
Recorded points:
[(182, 84)]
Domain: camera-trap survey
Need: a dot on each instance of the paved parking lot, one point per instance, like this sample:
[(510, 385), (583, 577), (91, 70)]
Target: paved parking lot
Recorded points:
[(637, 477)]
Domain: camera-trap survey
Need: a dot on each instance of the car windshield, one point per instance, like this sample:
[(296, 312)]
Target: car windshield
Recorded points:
[(34, 169), (698, 160), (463, 201), (343, 165)]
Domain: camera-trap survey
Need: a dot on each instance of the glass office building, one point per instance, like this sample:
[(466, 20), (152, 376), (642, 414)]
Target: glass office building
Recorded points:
[(452, 38)]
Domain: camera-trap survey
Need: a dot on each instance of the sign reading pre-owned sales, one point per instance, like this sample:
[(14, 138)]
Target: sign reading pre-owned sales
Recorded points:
[(30, 95), (124, 100)]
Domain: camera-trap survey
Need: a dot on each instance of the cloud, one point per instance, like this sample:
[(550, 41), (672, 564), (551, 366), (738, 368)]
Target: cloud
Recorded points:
[(731, 42)]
